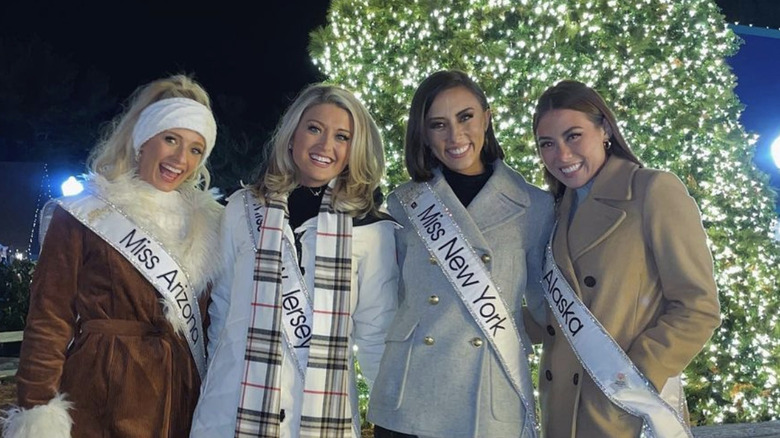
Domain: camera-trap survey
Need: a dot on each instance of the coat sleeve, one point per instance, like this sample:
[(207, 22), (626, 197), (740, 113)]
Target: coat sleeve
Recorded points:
[(673, 231), (538, 235), (219, 306), (51, 319), (51, 322), (377, 279)]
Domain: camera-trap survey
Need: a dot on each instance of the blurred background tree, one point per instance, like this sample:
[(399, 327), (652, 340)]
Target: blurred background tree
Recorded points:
[(15, 278)]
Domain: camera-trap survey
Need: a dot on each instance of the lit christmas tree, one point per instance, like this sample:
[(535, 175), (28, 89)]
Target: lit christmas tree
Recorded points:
[(661, 65)]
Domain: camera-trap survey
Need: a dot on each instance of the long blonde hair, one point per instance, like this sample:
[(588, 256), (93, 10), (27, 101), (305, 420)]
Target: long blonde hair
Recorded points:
[(114, 154), (353, 192)]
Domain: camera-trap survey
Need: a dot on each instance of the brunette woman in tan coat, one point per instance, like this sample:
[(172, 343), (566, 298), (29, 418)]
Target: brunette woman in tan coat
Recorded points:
[(113, 345), (641, 299)]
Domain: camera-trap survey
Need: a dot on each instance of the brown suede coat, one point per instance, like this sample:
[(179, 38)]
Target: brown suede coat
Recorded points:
[(126, 371), (636, 254)]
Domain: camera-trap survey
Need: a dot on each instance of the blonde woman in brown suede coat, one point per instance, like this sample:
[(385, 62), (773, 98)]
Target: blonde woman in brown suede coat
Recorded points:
[(105, 352)]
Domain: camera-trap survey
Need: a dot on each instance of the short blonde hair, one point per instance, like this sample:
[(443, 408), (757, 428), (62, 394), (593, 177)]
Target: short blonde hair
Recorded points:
[(354, 189), (114, 154)]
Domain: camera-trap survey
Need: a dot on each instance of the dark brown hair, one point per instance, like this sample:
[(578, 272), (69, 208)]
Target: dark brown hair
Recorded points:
[(573, 95), (418, 156)]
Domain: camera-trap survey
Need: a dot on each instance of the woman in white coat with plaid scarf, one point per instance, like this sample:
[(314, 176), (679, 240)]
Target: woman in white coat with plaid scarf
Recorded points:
[(313, 274)]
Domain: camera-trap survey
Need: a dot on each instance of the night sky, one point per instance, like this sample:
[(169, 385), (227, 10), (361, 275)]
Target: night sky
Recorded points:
[(258, 53)]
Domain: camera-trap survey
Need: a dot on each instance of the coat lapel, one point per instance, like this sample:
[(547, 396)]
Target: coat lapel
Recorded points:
[(597, 217), (560, 246), (500, 201)]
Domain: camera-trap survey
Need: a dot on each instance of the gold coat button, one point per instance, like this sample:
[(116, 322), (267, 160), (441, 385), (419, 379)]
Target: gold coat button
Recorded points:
[(477, 342), (432, 260), (428, 340), (485, 258), (433, 299)]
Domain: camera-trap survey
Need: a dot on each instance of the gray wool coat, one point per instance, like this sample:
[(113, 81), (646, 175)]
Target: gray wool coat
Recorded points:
[(438, 377)]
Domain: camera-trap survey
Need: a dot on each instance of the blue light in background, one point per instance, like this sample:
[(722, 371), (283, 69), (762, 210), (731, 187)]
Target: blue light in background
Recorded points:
[(71, 187), (776, 151)]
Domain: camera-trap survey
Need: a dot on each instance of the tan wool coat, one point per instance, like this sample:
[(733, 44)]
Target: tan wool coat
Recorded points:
[(636, 254)]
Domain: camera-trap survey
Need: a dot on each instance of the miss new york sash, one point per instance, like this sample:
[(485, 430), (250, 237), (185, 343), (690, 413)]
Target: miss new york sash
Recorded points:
[(149, 257), (607, 363), (468, 276)]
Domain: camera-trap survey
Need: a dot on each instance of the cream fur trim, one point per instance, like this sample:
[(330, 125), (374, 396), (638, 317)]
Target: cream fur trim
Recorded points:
[(185, 222), (50, 420)]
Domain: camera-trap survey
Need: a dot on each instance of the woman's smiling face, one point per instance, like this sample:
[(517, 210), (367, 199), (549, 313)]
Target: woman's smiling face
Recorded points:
[(321, 144), (455, 126), (571, 146), (170, 157)]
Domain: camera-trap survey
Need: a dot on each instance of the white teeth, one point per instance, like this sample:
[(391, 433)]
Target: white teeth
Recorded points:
[(458, 151), (172, 169), (570, 169), (321, 159)]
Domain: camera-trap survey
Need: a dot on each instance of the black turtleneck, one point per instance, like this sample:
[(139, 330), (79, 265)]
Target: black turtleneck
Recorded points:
[(303, 204), (466, 187)]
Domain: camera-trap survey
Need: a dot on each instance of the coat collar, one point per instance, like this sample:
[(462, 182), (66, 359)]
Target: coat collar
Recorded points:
[(597, 217), (503, 198), (184, 221)]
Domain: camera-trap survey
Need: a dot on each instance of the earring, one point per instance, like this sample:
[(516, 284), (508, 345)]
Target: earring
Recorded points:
[(607, 145)]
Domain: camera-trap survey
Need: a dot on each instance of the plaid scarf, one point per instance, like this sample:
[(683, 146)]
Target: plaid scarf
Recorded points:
[(326, 410)]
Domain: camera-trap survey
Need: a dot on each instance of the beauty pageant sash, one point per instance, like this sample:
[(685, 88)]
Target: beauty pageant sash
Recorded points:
[(296, 303), (278, 319), (149, 257), (608, 365), (467, 274)]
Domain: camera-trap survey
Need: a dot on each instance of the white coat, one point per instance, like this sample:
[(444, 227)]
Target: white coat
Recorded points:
[(373, 304)]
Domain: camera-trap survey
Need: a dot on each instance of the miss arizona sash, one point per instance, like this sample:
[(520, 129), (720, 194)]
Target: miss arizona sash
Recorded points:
[(607, 363), (149, 257), (468, 276)]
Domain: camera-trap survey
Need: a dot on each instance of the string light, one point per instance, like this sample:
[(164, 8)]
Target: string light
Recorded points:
[(660, 64), (44, 194)]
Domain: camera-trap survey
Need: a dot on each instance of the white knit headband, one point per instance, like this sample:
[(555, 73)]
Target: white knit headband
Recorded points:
[(176, 112)]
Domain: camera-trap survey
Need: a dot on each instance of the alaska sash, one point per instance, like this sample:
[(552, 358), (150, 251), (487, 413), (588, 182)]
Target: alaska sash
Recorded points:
[(608, 365), (317, 337), (149, 257), (472, 282)]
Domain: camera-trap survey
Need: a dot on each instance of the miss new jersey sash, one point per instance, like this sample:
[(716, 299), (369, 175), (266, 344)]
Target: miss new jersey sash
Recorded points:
[(298, 311), (607, 363), (150, 259), (278, 318), (467, 275)]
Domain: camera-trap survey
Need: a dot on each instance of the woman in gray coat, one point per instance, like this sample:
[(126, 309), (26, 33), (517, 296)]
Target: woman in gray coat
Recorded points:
[(470, 252)]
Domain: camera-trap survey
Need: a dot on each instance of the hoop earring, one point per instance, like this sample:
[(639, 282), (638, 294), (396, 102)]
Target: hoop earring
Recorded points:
[(607, 145)]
